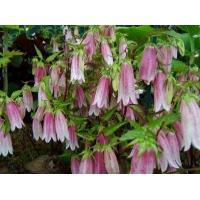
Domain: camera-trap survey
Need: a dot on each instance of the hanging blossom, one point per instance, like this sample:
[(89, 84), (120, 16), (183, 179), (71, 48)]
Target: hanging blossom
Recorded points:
[(86, 165), (190, 118), (144, 163), (123, 50), (39, 73), (55, 46), (5, 141), (37, 129), (106, 52), (22, 110), (14, 115), (72, 142), (148, 65), (75, 164), (126, 91), (101, 96), (94, 108), (77, 68), (80, 97), (99, 165), (28, 99), (160, 97)]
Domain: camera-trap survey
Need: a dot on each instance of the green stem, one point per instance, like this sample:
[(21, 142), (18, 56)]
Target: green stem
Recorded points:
[(5, 70)]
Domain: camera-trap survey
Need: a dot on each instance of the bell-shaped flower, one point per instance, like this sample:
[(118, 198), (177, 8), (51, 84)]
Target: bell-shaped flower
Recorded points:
[(62, 80), (77, 67), (126, 90), (106, 52), (86, 165), (5, 141), (167, 154), (110, 31), (55, 46), (102, 139), (190, 118), (94, 108), (54, 74), (160, 98), (111, 163), (89, 49), (179, 134), (49, 130), (14, 115), (37, 129), (61, 126), (101, 96), (42, 96), (165, 58), (122, 49), (72, 142), (144, 163), (28, 99), (99, 165), (39, 74), (21, 107), (148, 65), (80, 97), (75, 165), (40, 112)]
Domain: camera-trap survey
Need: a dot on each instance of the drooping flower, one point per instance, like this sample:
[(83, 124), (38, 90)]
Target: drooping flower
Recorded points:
[(144, 163), (40, 112), (76, 69), (106, 52), (90, 45), (167, 154), (80, 97), (190, 118), (101, 96), (61, 126), (55, 46), (5, 141), (148, 65), (179, 134), (99, 165), (37, 129), (28, 99), (62, 80), (75, 165), (102, 139), (126, 90), (72, 142), (110, 31), (86, 165), (49, 131), (21, 107), (166, 58), (68, 36), (160, 98), (54, 74), (39, 74), (94, 108), (111, 163), (14, 115), (42, 96), (122, 49)]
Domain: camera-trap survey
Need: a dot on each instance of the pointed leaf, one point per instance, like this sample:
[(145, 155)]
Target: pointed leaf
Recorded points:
[(112, 128), (108, 114), (38, 52), (52, 57)]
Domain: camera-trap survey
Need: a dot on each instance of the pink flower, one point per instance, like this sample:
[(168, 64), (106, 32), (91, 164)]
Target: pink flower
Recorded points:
[(148, 65), (126, 91), (167, 153), (94, 108), (80, 97), (42, 96), (39, 74), (62, 80), (179, 134), (54, 74), (76, 69), (55, 46), (21, 107), (56, 91), (40, 112), (160, 99), (28, 99), (122, 49), (49, 131), (102, 139), (143, 164), (75, 165), (190, 118), (99, 165), (166, 58), (14, 115), (5, 141), (68, 36), (86, 166), (111, 163), (106, 52), (101, 96), (61, 126), (73, 140), (37, 129), (110, 31), (90, 45)]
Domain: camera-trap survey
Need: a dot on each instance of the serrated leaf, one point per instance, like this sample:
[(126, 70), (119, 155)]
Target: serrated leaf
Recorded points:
[(38, 52), (112, 128), (109, 114), (52, 57), (130, 135), (16, 94)]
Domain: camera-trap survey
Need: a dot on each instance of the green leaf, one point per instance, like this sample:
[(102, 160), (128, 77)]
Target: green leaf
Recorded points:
[(135, 125), (4, 61), (52, 57), (2, 93), (179, 66), (192, 29), (112, 128), (16, 61), (14, 27), (38, 52), (172, 118), (12, 53), (62, 103), (109, 114), (46, 80), (16, 94), (130, 135)]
